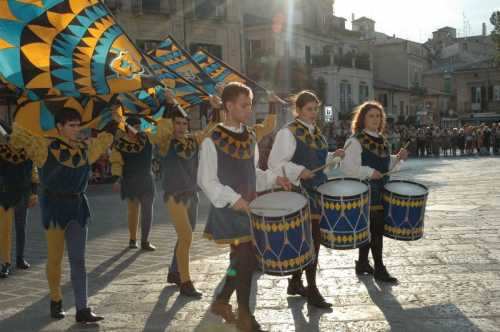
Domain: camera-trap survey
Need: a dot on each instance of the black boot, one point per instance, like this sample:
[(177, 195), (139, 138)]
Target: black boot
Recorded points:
[(147, 246), (5, 271), (295, 287), (363, 268), (132, 244), (187, 289), (22, 264), (174, 278), (56, 310), (381, 274), (315, 298), (87, 316)]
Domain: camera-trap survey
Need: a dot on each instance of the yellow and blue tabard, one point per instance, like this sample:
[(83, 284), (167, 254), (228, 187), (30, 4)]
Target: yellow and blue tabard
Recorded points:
[(64, 178), (236, 169), (375, 154), (137, 174), (15, 176)]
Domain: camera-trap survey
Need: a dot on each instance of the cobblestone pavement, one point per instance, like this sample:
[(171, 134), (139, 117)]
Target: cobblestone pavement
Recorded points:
[(449, 281)]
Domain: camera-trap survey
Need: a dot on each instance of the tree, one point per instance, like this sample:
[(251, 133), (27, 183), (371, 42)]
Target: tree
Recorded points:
[(495, 34)]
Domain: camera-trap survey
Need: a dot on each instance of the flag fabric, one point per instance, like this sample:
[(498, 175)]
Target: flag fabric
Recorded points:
[(38, 116), (186, 93), (68, 48), (171, 55), (218, 71)]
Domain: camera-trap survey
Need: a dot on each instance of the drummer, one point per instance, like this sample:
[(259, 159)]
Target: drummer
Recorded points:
[(299, 148), (367, 156)]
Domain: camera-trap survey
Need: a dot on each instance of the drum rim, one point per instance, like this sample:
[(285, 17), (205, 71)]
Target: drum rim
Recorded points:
[(345, 178), (410, 182), (279, 218)]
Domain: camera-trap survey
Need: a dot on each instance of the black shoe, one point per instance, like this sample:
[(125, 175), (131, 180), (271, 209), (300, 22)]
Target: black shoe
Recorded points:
[(22, 264), (5, 271), (295, 287), (381, 274), (147, 246), (132, 244), (174, 278), (255, 325), (87, 316), (363, 268), (315, 299), (56, 310), (187, 289)]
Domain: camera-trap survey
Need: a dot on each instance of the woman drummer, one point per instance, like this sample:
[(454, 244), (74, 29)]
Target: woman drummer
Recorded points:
[(367, 156), (298, 149)]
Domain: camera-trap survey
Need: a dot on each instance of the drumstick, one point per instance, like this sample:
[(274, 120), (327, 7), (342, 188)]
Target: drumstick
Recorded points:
[(335, 161), (393, 169)]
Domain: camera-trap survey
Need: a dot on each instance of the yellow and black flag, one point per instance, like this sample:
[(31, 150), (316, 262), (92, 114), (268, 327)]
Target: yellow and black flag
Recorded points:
[(173, 57), (68, 48)]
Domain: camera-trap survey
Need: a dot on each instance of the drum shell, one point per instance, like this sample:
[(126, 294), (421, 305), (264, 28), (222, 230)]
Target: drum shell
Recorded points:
[(404, 214), (345, 220), (283, 244)]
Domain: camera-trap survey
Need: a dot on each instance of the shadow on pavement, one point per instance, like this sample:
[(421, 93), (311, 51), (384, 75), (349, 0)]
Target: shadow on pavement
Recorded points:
[(38, 312), (441, 317)]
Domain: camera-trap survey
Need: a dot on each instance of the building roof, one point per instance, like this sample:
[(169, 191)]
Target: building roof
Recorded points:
[(377, 84), (364, 18)]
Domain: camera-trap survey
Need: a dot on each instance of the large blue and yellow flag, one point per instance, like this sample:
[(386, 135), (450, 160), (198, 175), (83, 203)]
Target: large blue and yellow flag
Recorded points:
[(221, 72), (68, 48), (171, 55), (38, 116), (218, 71)]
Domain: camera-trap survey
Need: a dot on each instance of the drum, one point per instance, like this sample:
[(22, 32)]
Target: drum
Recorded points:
[(345, 213), (281, 232), (404, 209)]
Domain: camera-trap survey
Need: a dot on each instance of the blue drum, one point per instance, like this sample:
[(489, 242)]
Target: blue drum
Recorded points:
[(404, 209), (345, 213), (281, 230)]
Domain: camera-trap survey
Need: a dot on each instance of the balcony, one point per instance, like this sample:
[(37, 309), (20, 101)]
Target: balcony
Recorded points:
[(361, 61), (165, 7)]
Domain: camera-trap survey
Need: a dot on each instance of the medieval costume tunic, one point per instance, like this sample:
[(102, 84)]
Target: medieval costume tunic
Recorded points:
[(64, 169), (227, 172), (131, 160), (18, 183), (300, 146), (368, 152)]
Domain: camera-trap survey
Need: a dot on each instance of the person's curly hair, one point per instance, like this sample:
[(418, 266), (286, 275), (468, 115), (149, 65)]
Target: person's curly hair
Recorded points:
[(358, 120)]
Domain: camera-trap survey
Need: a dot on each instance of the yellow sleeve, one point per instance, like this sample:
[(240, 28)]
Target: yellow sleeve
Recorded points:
[(266, 127), (36, 147), (200, 135), (99, 145), (34, 175), (116, 161), (164, 130)]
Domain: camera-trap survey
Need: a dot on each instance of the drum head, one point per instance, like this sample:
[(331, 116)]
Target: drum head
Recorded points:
[(406, 188), (343, 188), (278, 204)]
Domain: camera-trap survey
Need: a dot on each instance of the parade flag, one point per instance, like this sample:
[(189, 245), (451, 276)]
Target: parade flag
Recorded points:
[(171, 55), (221, 72), (68, 48), (186, 93), (38, 116)]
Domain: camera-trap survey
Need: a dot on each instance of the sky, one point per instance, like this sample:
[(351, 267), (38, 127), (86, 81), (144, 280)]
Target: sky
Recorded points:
[(416, 20)]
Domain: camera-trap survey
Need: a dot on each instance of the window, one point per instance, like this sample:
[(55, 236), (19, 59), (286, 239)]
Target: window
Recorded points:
[(382, 98), (210, 8), (215, 50), (308, 55), (345, 97), (496, 93), (364, 92), (476, 95), (147, 44), (401, 107)]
